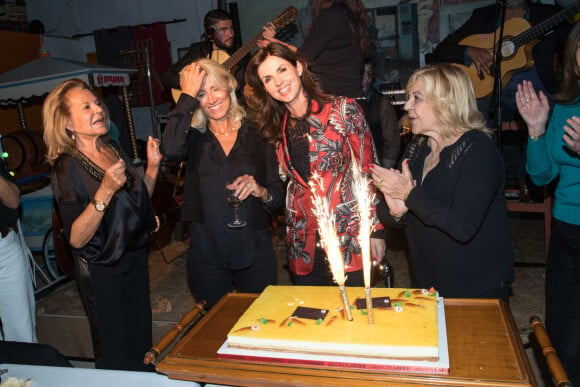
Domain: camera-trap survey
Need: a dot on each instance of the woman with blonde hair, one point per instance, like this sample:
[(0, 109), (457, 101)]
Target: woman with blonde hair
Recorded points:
[(223, 151), (106, 211), (449, 193)]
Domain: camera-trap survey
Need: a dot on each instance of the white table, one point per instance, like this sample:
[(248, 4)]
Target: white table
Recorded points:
[(89, 377)]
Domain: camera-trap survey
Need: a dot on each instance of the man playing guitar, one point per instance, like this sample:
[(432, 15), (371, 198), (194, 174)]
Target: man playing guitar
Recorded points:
[(533, 61), (484, 22), (217, 44)]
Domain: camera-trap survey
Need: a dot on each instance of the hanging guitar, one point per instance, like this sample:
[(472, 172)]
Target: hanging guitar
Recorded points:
[(283, 18), (516, 48)]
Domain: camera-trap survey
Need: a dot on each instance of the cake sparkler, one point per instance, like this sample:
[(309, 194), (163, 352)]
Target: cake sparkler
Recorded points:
[(329, 241), (364, 200)]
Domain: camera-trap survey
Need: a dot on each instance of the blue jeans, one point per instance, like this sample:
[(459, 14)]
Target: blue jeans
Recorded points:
[(562, 295), (17, 308)]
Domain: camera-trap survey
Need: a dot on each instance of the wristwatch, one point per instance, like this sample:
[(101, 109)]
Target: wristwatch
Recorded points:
[(99, 205)]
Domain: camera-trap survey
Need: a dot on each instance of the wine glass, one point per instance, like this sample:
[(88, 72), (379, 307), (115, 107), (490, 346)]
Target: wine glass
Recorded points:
[(235, 202)]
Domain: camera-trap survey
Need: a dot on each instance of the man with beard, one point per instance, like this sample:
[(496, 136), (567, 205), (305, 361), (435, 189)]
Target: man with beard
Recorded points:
[(217, 44), (486, 20)]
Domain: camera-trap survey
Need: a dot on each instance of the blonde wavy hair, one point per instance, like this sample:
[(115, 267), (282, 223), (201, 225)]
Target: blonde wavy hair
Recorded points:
[(56, 113), (222, 80), (452, 97)]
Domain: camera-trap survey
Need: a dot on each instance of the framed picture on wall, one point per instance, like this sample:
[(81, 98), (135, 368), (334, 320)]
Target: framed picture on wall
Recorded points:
[(453, 13), (394, 33)]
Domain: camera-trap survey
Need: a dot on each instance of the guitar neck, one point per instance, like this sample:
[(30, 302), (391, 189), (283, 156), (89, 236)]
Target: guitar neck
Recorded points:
[(237, 56), (547, 25)]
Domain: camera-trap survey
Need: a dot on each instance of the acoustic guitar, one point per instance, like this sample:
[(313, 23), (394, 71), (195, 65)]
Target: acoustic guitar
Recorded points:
[(230, 61), (516, 48)]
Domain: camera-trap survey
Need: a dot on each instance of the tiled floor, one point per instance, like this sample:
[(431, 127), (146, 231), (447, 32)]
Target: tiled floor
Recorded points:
[(61, 320)]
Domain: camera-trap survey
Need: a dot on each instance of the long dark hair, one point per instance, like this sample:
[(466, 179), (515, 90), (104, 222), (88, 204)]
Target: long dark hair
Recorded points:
[(266, 112), (571, 70), (357, 18)]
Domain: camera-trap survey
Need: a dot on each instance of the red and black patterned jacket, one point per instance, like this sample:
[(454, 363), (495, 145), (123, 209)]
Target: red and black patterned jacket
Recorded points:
[(337, 133)]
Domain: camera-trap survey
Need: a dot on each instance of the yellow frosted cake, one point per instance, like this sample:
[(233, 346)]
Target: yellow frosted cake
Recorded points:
[(312, 320)]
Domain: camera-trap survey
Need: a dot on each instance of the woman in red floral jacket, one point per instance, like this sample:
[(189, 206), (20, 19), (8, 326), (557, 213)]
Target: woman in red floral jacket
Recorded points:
[(318, 137)]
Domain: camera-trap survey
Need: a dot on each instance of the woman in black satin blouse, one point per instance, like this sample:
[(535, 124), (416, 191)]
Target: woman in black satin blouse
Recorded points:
[(106, 212), (208, 129)]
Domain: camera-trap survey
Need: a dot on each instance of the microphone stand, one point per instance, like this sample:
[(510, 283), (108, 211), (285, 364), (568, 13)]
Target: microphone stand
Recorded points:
[(495, 103)]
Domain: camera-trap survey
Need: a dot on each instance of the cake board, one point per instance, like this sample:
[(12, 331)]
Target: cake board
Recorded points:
[(440, 367)]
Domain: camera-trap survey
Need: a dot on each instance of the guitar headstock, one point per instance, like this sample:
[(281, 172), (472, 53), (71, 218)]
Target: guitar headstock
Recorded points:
[(285, 17)]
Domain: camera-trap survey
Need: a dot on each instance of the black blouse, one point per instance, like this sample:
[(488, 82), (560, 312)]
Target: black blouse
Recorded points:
[(208, 171), (335, 51), (127, 221)]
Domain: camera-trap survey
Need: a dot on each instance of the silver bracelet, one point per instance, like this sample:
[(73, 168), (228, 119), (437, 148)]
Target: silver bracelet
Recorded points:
[(269, 198)]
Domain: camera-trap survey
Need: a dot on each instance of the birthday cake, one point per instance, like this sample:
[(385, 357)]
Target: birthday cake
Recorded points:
[(313, 320)]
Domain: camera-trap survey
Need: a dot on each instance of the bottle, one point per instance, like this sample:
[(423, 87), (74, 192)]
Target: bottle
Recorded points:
[(383, 271), (387, 273)]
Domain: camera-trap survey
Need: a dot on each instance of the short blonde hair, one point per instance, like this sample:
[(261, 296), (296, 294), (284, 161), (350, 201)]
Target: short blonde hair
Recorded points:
[(223, 80), (55, 114), (452, 97)]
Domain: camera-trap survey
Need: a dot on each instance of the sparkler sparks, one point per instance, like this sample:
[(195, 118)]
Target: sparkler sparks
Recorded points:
[(365, 199), (329, 239)]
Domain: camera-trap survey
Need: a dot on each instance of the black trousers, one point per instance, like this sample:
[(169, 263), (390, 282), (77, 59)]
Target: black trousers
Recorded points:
[(210, 282), (322, 276), (116, 299), (562, 293)]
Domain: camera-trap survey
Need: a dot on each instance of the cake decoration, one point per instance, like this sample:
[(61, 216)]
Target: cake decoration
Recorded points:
[(377, 302), (331, 320), (310, 313)]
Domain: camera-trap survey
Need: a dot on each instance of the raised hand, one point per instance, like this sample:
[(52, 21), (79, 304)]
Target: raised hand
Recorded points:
[(115, 176), (572, 136), (533, 107), (191, 79), (268, 34), (153, 155), (392, 182)]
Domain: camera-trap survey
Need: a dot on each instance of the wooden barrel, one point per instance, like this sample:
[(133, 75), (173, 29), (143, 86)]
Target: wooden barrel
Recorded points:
[(15, 151), (26, 158), (25, 149)]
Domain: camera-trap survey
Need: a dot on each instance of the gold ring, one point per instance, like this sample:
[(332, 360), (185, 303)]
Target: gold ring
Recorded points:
[(248, 185)]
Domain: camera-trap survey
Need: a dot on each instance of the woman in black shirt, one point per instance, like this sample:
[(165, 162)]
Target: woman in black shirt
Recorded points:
[(449, 193), (106, 212), (221, 148)]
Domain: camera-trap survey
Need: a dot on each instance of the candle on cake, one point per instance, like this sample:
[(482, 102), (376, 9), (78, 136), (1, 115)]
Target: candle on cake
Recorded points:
[(330, 242), (364, 199)]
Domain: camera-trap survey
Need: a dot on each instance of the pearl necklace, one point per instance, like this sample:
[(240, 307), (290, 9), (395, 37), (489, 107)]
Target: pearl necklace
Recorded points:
[(227, 132)]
